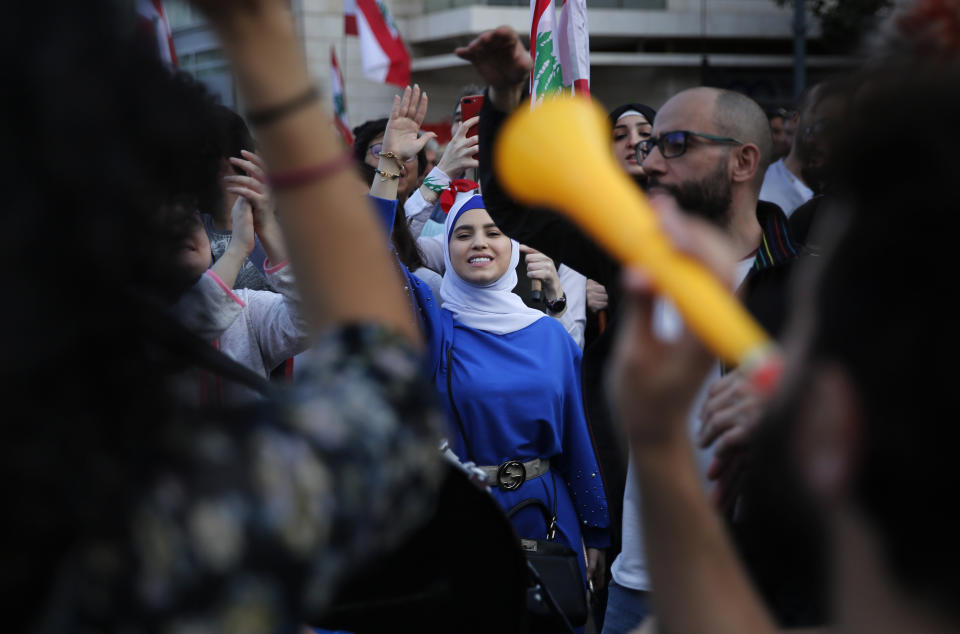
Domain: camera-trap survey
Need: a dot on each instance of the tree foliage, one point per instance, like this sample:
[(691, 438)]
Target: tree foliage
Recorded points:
[(844, 22)]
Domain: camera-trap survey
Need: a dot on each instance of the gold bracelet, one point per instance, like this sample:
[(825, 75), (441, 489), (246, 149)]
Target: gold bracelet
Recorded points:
[(392, 155), (386, 176)]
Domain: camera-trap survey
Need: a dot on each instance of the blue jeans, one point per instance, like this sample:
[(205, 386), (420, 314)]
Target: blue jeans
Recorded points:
[(626, 609)]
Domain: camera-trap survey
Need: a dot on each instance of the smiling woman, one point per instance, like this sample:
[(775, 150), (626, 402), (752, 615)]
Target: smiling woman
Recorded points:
[(479, 251), (510, 378), (508, 375)]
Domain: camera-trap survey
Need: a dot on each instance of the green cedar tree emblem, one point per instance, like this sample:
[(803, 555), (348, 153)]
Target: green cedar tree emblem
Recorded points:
[(547, 74)]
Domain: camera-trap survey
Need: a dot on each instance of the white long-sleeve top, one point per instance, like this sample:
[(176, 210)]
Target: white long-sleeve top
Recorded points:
[(257, 329)]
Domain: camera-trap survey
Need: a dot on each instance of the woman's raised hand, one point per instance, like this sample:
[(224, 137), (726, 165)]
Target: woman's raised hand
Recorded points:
[(253, 187), (407, 115), (242, 233), (461, 152)]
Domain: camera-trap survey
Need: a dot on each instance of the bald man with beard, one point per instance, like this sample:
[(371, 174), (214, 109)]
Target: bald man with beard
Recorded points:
[(709, 151)]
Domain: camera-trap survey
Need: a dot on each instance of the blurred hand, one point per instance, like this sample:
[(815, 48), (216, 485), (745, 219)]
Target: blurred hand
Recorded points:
[(223, 12), (242, 232), (597, 299), (220, 9), (409, 110), (253, 187), (652, 383), (461, 151)]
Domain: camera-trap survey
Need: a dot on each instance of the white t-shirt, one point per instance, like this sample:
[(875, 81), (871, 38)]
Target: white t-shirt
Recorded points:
[(630, 567), (783, 189)]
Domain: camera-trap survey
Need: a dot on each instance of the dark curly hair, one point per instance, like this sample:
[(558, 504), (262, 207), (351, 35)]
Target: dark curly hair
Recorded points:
[(106, 156), (884, 318), (878, 310)]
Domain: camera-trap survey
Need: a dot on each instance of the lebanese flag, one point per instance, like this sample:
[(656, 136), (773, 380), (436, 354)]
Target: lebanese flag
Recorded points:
[(339, 99), (573, 43), (385, 57), (152, 23), (546, 75)]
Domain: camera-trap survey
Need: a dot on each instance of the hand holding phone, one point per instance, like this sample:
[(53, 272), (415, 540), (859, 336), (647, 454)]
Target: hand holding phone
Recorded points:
[(469, 108)]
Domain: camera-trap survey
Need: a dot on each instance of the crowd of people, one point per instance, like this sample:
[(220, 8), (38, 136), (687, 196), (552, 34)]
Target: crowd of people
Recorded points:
[(282, 350)]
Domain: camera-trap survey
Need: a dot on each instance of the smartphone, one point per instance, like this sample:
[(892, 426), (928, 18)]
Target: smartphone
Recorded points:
[(469, 108)]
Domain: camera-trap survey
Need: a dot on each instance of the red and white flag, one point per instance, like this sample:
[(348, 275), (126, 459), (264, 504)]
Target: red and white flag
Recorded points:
[(385, 57), (561, 53), (573, 42), (152, 22), (339, 99), (546, 75)]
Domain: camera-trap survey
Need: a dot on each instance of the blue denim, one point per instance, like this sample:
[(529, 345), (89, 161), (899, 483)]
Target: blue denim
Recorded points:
[(626, 609)]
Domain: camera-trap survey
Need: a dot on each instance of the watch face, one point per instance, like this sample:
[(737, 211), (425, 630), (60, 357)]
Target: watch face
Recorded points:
[(558, 304)]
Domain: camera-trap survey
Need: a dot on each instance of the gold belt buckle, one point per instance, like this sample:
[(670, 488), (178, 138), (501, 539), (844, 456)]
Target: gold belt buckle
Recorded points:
[(511, 474)]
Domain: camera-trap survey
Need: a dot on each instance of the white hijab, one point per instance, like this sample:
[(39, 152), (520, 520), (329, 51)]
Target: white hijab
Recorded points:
[(493, 307)]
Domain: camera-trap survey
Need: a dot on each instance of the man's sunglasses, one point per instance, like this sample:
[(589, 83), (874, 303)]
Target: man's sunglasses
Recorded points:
[(674, 144), (376, 148)]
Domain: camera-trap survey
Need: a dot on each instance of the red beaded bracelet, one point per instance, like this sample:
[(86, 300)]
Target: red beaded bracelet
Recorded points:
[(300, 176)]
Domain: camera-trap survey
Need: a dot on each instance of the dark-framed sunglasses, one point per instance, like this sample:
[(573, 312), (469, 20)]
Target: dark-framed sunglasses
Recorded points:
[(674, 144), (376, 148)]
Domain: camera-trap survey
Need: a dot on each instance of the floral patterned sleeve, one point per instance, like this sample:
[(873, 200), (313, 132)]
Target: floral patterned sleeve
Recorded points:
[(257, 517)]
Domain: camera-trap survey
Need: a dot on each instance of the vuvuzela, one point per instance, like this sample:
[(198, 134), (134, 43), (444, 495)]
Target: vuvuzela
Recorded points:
[(558, 155)]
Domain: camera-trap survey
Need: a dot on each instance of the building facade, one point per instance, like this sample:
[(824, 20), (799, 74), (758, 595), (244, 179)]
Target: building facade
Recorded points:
[(641, 50)]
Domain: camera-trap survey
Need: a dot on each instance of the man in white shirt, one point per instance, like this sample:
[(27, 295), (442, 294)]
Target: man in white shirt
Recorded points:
[(792, 180)]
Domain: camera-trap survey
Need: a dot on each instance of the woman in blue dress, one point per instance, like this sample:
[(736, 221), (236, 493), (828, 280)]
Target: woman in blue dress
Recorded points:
[(508, 375)]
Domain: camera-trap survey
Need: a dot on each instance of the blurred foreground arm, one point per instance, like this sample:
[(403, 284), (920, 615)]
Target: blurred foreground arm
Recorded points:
[(342, 465), (700, 584), (327, 225)]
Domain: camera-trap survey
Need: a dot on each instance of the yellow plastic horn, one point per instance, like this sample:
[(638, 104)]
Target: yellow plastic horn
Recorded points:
[(558, 155)]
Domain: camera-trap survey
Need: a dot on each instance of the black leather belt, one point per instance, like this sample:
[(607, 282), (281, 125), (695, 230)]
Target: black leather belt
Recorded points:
[(512, 473)]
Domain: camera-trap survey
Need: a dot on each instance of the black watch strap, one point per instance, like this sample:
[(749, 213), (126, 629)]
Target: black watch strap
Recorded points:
[(557, 305)]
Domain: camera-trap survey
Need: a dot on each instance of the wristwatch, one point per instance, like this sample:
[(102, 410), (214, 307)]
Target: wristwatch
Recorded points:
[(557, 305)]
